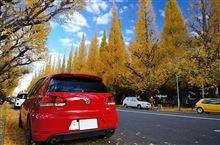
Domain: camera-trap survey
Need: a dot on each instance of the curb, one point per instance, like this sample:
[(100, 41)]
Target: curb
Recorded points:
[(2, 124)]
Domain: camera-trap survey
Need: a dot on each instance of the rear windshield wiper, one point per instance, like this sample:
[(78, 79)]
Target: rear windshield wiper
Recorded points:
[(91, 90)]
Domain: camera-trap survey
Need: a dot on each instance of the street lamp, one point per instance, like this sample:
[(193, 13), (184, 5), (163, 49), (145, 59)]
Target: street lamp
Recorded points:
[(177, 91)]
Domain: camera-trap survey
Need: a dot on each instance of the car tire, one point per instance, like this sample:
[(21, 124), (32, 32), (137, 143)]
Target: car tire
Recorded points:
[(19, 121), (139, 106), (125, 105), (42, 143), (28, 138), (199, 110)]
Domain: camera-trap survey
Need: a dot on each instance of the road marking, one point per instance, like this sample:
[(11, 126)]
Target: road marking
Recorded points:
[(172, 115), (217, 131)]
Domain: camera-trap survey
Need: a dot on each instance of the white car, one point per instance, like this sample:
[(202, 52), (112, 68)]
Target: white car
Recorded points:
[(19, 100), (136, 102)]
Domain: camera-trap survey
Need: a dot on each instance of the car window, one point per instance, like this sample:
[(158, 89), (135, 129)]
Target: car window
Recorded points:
[(206, 101), (133, 99), (214, 101), (211, 101), (36, 87), (22, 96), (139, 99), (76, 84)]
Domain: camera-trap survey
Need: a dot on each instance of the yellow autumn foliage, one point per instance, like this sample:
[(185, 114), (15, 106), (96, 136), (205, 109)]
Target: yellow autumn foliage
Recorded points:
[(93, 56), (115, 54)]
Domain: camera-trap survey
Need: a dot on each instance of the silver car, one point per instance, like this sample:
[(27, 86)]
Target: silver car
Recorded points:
[(136, 102)]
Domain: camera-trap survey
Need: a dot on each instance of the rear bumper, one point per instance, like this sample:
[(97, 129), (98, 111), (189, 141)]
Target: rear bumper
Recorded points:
[(78, 135), (46, 126), (146, 106)]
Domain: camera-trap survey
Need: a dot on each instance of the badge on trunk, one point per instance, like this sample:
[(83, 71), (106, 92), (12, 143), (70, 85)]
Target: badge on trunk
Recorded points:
[(87, 100)]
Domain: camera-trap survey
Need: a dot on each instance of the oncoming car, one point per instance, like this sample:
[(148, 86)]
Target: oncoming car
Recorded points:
[(19, 100), (136, 102), (64, 107), (208, 105)]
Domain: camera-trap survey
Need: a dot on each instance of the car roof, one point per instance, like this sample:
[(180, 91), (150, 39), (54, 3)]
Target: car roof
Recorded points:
[(23, 92), (75, 75), (210, 99)]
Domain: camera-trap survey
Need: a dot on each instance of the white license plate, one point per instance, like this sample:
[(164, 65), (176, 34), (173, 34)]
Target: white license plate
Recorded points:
[(88, 124)]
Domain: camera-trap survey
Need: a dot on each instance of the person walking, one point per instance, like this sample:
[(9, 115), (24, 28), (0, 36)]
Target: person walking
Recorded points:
[(152, 101)]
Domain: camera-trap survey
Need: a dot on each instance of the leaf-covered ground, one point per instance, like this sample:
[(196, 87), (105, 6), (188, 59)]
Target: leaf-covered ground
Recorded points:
[(13, 135)]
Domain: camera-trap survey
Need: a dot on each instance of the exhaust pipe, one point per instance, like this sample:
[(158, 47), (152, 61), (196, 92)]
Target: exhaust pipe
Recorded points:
[(53, 141)]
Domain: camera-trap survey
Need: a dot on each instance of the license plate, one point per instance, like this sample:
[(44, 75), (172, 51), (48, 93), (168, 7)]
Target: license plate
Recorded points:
[(85, 124)]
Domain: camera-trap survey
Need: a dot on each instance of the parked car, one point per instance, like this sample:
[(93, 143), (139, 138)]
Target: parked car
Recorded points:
[(136, 102), (2, 100), (208, 105), (12, 100), (19, 100), (64, 107)]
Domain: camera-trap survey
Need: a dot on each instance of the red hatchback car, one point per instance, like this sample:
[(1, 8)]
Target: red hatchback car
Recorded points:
[(64, 107)]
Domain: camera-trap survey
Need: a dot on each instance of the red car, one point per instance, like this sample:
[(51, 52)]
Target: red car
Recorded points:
[(64, 107)]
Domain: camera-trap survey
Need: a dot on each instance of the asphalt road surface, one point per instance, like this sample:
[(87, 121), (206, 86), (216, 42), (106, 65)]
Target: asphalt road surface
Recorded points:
[(144, 127), (154, 127)]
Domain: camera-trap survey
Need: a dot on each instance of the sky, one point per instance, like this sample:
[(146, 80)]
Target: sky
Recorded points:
[(94, 17)]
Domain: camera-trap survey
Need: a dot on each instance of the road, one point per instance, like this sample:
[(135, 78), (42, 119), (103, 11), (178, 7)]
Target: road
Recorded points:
[(154, 127), (142, 127)]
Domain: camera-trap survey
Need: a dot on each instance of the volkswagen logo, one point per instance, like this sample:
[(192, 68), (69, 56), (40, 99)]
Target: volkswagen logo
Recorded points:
[(87, 100)]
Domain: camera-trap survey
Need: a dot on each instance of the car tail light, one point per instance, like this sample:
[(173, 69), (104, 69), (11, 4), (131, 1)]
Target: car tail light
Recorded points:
[(51, 101), (109, 100)]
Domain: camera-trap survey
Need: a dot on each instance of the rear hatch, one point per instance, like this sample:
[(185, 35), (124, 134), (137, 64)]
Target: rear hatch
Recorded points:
[(83, 101), (82, 95)]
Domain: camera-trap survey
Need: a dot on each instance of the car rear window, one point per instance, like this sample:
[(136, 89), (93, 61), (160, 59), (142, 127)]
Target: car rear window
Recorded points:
[(22, 96), (211, 101), (139, 99), (215, 102), (76, 84)]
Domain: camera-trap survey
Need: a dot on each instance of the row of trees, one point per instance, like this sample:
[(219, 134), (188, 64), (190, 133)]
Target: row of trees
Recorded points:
[(24, 29), (189, 48)]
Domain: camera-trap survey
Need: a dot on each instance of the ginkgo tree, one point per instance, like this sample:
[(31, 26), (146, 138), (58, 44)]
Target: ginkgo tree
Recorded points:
[(202, 67), (114, 53), (81, 62), (144, 75), (93, 56), (24, 27), (172, 45), (172, 49), (102, 49)]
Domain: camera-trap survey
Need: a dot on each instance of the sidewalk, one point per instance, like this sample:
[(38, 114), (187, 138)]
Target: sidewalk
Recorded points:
[(2, 122), (169, 109)]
